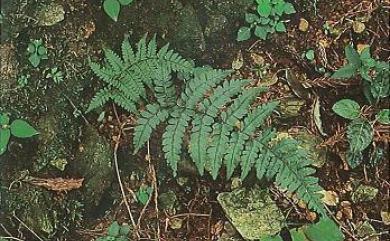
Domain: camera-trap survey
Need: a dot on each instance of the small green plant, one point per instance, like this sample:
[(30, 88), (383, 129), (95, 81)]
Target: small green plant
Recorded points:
[(18, 128), (113, 7), (267, 20), (56, 75), (23, 80), (324, 230), (375, 74), (37, 52), (117, 232), (143, 194), (360, 131)]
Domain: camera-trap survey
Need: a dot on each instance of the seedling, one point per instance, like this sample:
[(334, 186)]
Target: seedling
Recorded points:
[(37, 52), (268, 19), (23, 80), (375, 74), (56, 75), (116, 232), (143, 194), (113, 7), (18, 128)]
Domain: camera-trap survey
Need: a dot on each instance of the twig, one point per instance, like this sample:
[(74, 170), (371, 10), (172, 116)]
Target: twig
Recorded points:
[(27, 227), (12, 238), (120, 180)]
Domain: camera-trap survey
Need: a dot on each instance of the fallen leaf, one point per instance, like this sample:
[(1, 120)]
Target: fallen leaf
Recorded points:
[(330, 198), (57, 184), (303, 25), (385, 217), (238, 62), (358, 27), (317, 115)]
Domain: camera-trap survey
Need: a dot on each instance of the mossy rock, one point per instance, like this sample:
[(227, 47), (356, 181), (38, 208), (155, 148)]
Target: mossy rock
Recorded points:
[(94, 163), (252, 212)]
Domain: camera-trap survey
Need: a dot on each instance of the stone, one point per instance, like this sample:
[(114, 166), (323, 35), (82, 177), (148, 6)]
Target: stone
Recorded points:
[(51, 14), (364, 193), (252, 212), (303, 25)]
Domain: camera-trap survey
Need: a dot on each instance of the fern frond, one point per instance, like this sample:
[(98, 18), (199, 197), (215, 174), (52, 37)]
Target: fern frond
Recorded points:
[(173, 137), (238, 139), (123, 102), (149, 120), (254, 151), (127, 52), (104, 74), (288, 163), (201, 129), (114, 61), (100, 98), (152, 47), (164, 88), (142, 50), (221, 131)]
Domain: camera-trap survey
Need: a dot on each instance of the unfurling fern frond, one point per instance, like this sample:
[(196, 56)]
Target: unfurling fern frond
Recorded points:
[(224, 131), (128, 75)]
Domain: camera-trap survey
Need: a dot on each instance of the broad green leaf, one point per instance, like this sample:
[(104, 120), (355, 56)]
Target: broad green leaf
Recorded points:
[(251, 18), (345, 72), (289, 8), (352, 55), (31, 48), (325, 230), (280, 27), (42, 50), (5, 135), (384, 116), (34, 60), (22, 129), (113, 230), (143, 194), (244, 33), (365, 54), (264, 8), (347, 108), (4, 119), (360, 134), (261, 32), (297, 235), (112, 8), (125, 2), (279, 8)]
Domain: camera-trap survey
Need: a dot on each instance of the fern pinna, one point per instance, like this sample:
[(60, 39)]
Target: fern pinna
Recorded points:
[(224, 131), (127, 77)]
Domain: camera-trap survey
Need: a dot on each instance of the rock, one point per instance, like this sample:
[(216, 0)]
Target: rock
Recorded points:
[(167, 200), (290, 107), (310, 143), (367, 231), (230, 233), (364, 193), (215, 24), (252, 212), (50, 14), (93, 163)]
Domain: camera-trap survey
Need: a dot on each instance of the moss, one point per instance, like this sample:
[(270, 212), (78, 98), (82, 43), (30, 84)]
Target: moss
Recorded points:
[(93, 162)]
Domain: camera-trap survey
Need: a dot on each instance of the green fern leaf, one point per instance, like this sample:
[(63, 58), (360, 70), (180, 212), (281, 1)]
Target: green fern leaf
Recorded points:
[(238, 139), (127, 52), (173, 137), (100, 98), (149, 120), (114, 61), (201, 129)]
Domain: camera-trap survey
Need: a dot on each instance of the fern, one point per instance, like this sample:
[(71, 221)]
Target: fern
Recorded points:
[(127, 77), (225, 131)]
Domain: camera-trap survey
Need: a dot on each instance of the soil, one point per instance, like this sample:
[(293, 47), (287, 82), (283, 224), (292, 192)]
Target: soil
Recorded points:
[(204, 31)]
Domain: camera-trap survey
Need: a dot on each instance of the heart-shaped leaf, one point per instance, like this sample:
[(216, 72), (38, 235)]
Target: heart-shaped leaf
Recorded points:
[(34, 60), (280, 27), (384, 116), (112, 8), (22, 129), (244, 33), (347, 108)]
